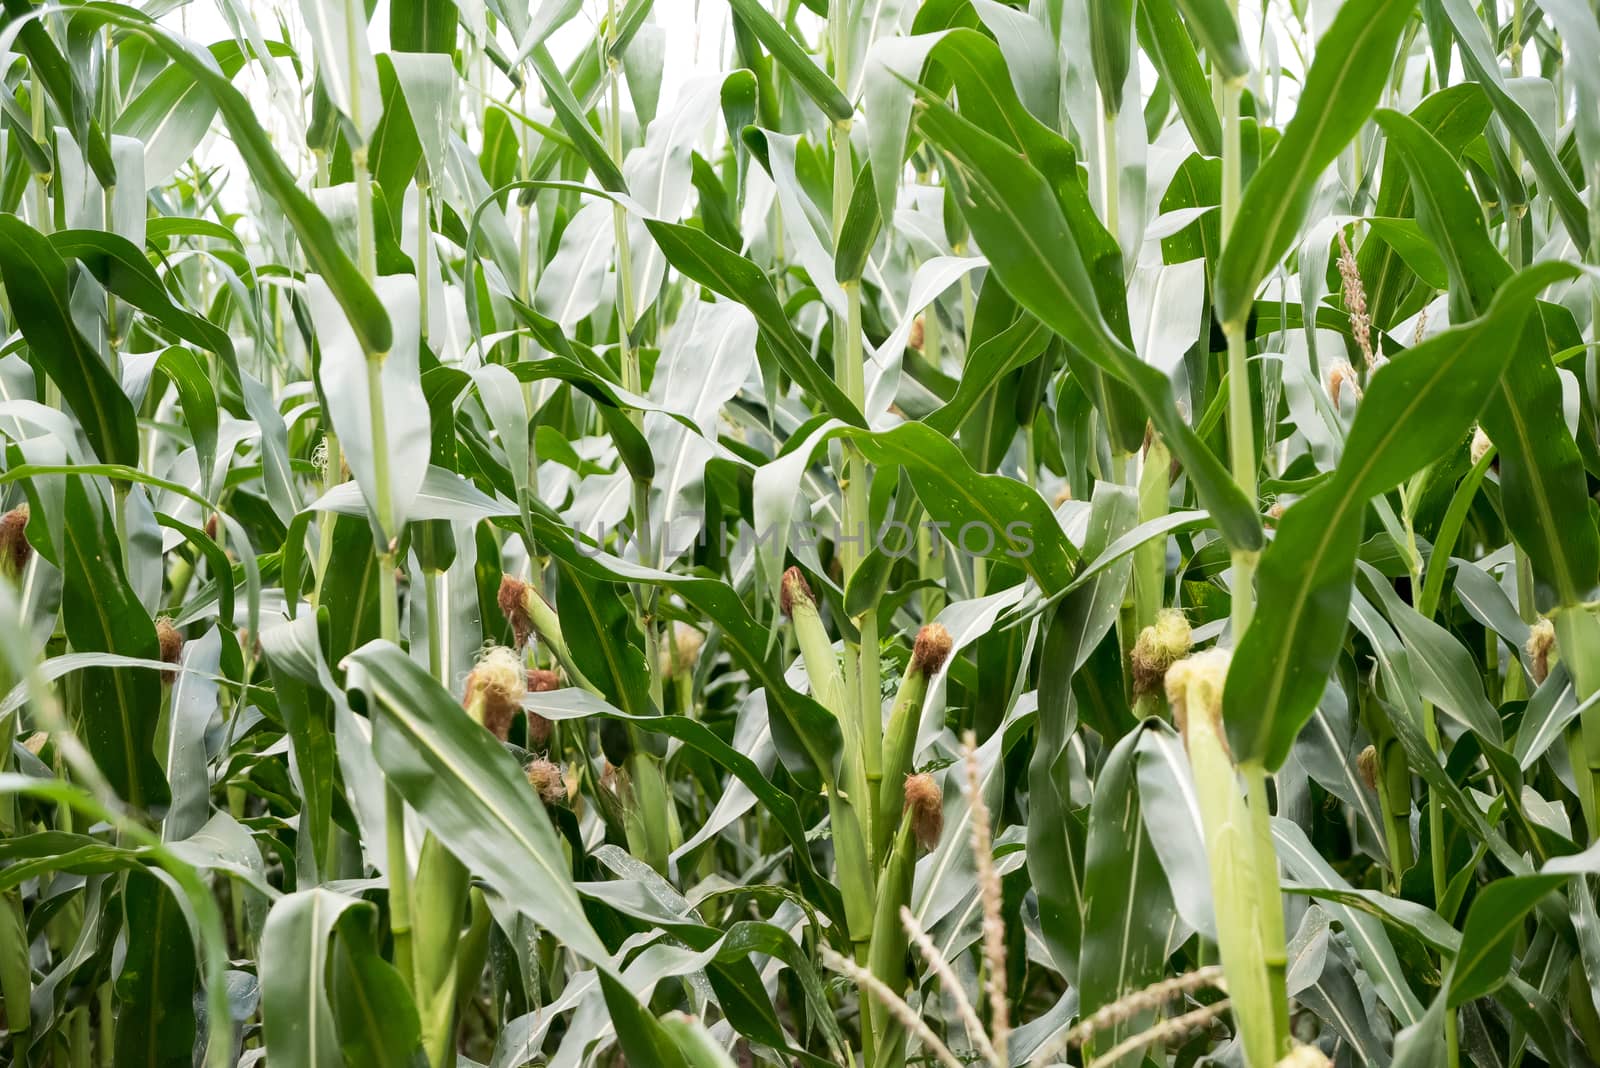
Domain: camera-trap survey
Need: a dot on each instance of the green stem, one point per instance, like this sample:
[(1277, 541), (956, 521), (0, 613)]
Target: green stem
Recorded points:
[(107, 1038), (424, 257), (1241, 422), (1269, 899), (1267, 896), (441, 894), (1110, 189), (400, 902), (334, 460), (1436, 860), (1230, 858), (16, 979), (1578, 641), (1391, 830), (652, 799)]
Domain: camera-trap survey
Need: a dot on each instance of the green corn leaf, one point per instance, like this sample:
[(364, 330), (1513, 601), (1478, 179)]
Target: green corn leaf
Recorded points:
[(1541, 475), (1019, 223), (469, 791), (38, 285), (794, 59), (1418, 405), (367, 316), (1349, 71)]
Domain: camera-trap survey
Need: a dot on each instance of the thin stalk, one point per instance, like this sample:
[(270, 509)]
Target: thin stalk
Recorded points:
[(1436, 861), (1269, 899), (1241, 422), (80, 1045), (868, 698), (1109, 187), (106, 1026), (108, 114), (43, 217), (440, 894), (1430, 726), (863, 670), (653, 801), (1266, 896), (424, 255), (1391, 832), (400, 903), (16, 980), (1578, 639), (1518, 685), (853, 819), (333, 459)]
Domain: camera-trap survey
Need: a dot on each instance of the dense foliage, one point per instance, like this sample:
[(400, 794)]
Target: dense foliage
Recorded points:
[(971, 533)]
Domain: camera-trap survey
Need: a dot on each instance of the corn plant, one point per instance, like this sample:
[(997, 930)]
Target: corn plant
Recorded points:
[(858, 535)]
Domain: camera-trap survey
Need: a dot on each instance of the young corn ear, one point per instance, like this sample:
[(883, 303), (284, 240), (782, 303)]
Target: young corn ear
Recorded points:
[(1480, 444), (849, 817), (919, 826), (928, 655), (15, 550), (1541, 649), (1194, 687), (495, 688), (547, 781), (678, 655), (1159, 646), (170, 639), (816, 648), (513, 601)]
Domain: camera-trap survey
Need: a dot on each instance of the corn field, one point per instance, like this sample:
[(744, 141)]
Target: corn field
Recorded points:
[(730, 534)]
